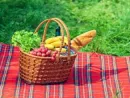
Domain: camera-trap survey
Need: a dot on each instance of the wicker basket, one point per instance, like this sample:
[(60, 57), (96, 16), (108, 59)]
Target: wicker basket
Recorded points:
[(41, 70)]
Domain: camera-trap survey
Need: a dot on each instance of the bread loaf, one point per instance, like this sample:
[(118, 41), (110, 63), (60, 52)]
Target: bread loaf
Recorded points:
[(83, 39)]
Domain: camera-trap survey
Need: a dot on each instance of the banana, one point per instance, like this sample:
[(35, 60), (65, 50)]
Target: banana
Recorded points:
[(66, 41), (63, 50), (55, 39), (51, 40), (56, 44), (49, 46)]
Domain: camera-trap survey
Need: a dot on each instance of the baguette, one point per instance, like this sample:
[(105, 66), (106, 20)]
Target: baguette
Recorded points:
[(83, 39)]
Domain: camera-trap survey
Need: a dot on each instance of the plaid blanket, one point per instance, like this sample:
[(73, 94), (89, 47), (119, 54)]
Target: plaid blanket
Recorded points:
[(93, 76)]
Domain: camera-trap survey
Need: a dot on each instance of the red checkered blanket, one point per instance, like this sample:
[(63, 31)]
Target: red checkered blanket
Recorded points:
[(93, 76)]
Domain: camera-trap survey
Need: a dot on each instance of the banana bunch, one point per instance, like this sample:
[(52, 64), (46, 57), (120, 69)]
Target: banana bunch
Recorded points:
[(54, 43)]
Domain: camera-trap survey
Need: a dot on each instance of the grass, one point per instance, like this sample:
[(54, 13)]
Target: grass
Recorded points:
[(110, 18)]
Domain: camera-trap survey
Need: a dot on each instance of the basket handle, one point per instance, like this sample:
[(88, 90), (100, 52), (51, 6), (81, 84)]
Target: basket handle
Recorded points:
[(39, 26), (62, 33), (61, 24), (68, 35)]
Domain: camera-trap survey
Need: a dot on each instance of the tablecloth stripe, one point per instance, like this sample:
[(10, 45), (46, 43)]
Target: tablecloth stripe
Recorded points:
[(108, 73), (117, 84), (24, 91), (28, 91), (89, 81), (84, 67), (47, 91), (31, 91), (3, 57), (1, 48), (76, 78), (1, 66), (61, 88), (103, 74), (123, 76), (128, 63), (83, 80), (54, 91), (7, 63), (18, 87)]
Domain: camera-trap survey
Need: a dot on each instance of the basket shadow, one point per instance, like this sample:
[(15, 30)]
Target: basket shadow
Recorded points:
[(90, 74)]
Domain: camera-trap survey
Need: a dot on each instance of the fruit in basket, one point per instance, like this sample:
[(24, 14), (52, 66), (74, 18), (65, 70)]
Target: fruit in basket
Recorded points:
[(56, 41), (65, 39), (63, 50), (44, 52), (55, 52), (52, 58), (49, 46), (40, 52), (56, 44), (54, 55), (48, 53), (50, 40)]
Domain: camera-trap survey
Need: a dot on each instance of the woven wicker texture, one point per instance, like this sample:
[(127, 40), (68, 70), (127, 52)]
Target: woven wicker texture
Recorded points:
[(41, 70)]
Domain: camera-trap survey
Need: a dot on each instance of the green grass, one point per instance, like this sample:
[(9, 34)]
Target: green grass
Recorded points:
[(110, 18)]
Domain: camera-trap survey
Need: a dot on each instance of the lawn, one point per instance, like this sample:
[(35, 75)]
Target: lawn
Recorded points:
[(110, 18)]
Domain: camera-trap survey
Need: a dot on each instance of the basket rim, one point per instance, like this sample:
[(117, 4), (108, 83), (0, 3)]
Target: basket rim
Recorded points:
[(47, 57)]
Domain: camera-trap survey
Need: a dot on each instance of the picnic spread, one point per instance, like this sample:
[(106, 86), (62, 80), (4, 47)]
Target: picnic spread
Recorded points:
[(48, 60), (54, 68)]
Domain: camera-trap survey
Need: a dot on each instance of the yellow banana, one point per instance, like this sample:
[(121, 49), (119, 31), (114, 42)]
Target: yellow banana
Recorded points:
[(56, 44), (49, 46), (51, 40), (54, 39), (66, 41)]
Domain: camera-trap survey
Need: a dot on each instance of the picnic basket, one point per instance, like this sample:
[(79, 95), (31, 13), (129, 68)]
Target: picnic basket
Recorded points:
[(41, 70)]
